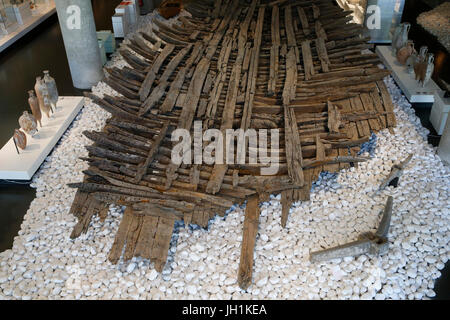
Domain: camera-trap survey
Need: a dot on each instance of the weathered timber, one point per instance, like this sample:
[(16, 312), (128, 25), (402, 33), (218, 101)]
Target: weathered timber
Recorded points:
[(248, 243), (294, 67)]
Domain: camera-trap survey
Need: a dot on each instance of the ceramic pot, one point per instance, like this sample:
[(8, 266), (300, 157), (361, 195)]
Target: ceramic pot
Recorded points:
[(402, 38), (42, 96), (404, 53), (28, 123), (397, 31), (416, 58), (428, 69), (50, 83), (20, 140), (424, 69), (34, 106)]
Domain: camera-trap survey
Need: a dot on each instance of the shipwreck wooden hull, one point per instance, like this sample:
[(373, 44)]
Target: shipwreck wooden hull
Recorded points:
[(295, 66)]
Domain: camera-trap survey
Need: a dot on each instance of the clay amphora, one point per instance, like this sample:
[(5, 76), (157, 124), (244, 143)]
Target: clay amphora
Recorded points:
[(428, 69), (51, 88), (34, 106), (404, 53), (20, 139), (42, 95), (416, 58), (28, 123), (402, 37), (424, 69)]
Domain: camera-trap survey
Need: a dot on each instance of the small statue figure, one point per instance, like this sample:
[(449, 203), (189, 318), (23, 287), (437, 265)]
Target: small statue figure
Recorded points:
[(20, 140), (51, 88), (28, 123), (424, 69), (34, 106), (416, 58), (404, 53), (402, 37), (42, 95)]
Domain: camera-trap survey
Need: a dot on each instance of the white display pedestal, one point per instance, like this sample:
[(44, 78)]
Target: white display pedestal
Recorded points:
[(23, 166), (439, 112), (411, 88), (28, 24)]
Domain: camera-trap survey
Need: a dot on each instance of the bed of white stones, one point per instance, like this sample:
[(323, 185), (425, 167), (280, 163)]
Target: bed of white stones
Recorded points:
[(45, 264)]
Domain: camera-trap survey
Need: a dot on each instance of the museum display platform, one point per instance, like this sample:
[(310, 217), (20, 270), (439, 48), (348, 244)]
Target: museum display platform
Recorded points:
[(22, 166), (28, 24), (413, 91)]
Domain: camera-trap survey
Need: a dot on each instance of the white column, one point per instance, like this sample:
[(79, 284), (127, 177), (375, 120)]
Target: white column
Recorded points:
[(77, 24)]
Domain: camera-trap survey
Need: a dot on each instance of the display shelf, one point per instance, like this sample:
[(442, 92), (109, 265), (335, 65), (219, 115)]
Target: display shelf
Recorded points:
[(22, 166), (43, 12), (411, 88)]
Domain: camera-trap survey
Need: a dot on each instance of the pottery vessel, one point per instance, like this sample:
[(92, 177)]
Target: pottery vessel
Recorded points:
[(429, 69), (402, 37), (424, 69), (397, 31), (404, 53), (20, 139), (34, 106), (28, 123), (416, 58), (42, 95), (50, 83)]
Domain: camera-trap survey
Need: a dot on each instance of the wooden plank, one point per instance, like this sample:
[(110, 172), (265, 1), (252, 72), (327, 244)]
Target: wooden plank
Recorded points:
[(175, 87), (121, 235), (307, 60), (387, 102), (286, 202), (253, 72), (320, 31), (322, 53), (368, 106), (292, 139), (379, 107), (303, 20), (250, 231), (334, 118), (293, 148), (142, 168), (274, 51), (159, 91), (216, 178), (288, 26), (320, 149), (133, 232), (161, 244), (316, 11), (362, 125), (154, 70), (146, 237), (194, 176)]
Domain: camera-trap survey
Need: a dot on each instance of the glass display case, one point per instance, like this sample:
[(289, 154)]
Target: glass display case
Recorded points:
[(390, 14), (380, 17), (8, 20)]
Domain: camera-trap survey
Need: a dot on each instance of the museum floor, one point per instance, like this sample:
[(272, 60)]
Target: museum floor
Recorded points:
[(43, 49)]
